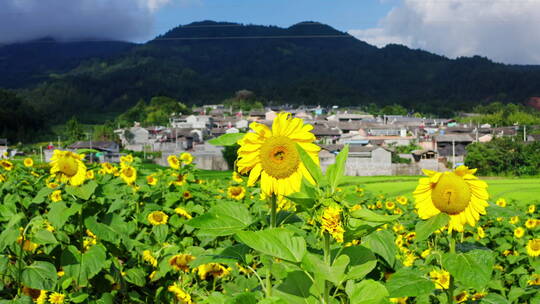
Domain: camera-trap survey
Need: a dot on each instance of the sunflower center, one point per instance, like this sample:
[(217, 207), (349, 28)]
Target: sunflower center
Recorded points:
[(451, 194), (535, 246), (68, 166), (279, 157), (158, 217), (236, 191), (128, 172)]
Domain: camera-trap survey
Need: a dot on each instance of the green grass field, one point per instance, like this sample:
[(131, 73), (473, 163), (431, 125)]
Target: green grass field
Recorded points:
[(524, 190)]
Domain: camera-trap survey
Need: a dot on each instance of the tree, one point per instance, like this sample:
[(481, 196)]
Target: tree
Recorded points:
[(74, 130)]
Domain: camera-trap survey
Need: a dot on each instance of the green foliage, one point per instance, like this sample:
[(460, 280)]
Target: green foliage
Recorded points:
[(105, 132), (500, 114), (504, 156), (230, 153), (394, 109), (156, 113), (74, 130), (18, 120)]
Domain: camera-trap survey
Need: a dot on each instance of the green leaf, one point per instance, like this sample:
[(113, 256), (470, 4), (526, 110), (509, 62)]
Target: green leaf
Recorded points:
[(41, 195), (227, 139), (277, 242), (366, 292), (472, 269), (60, 213), (40, 275), (136, 276), (370, 216), (494, 298), (495, 211), (425, 228), (160, 232), (382, 243), (78, 297), (362, 261), (223, 219), (408, 282), (84, 191), (43, 237), (313, 169), (295, 289), (335, 273), (8, 237), (335, 171), (82, 268)]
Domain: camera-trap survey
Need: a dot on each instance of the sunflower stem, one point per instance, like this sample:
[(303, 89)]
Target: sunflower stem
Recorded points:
[(451, 287), (273, 211), (326, 250)]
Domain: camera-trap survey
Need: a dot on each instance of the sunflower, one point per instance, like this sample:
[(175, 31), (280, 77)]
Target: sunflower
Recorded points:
[(501, 202), (236, 192), (180, 262), (519, 232), (271, 154), (6, 164), (179, 180), (28, 162), (409, 260), (68, 167), (215, 270), (237, 178), (390, 205), (90, 174), (107, 168), (531, 209), (56, 196), (441, 278), (127, 159), (128, 174), (533, 247), (173, 161), (479, 295), (402, 300), (531, 223), (331, 222), (2, 178), (187, 195), (459, 194), (480, 233), (181, 296), (359, 191), (186, 158), (514, 220), (535, 280), (182, 212), (158, 218), (425, 253), (57, 298), (402, 200), (462, 297), (149, 258), (151, 180)]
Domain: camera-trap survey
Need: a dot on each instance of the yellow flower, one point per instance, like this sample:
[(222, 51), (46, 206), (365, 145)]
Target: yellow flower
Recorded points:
[(126, 159), (402, 200), (399, 241), (535, 280), (181, 261), (56, 196), (108, 168), (186, 158), (410, 236), (360, 191), (271, 154), (2, 178), (187, 195), (151, 180), (356, 207), (128, 174), (480, 233), (331, 222), (42, 299), (462, 297), (149, 258), (402, 300), (514, 220), (508, 252), (212, 269), (425, 253), (48, 226), (38, 296), (182, 212), (173, 161), (179, 180), (61, 273), (398, 211), (57, 298), (441, 278), (519, 232), (181, 296), (28, 162), (530, 223), (501, 202), (409, 260), (352, 243), (90, 174), (459, 194), (237, 178), (236, 192), (152, 275), (158, 218), (533, 247), (390, 205), (68, 167), (6, 164), (498, 267), (531, 209), (479, 295), (379, 204)]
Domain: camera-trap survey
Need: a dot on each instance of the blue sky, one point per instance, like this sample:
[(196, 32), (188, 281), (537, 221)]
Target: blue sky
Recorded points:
[(340, 14)]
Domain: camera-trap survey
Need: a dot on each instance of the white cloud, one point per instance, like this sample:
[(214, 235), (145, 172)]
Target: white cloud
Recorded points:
[(503, 30), (22, 20)]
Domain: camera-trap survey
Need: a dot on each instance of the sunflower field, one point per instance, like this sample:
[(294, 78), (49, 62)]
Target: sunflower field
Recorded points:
[(278, 231)]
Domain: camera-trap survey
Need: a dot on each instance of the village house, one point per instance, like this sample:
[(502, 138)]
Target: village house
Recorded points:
[(3, 147), (109, 151)]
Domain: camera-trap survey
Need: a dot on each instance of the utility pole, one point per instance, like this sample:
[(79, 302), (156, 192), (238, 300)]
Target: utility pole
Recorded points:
[(524, 132), (453, 153)]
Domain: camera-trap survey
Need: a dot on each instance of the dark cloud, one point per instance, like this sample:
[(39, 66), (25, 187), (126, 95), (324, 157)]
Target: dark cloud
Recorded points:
[(22, 20)]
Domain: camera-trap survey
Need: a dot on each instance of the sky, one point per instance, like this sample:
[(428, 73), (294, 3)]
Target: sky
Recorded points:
[(505, 31)]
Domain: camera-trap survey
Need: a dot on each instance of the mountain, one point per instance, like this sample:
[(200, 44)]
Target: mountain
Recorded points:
[(307, 63)]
